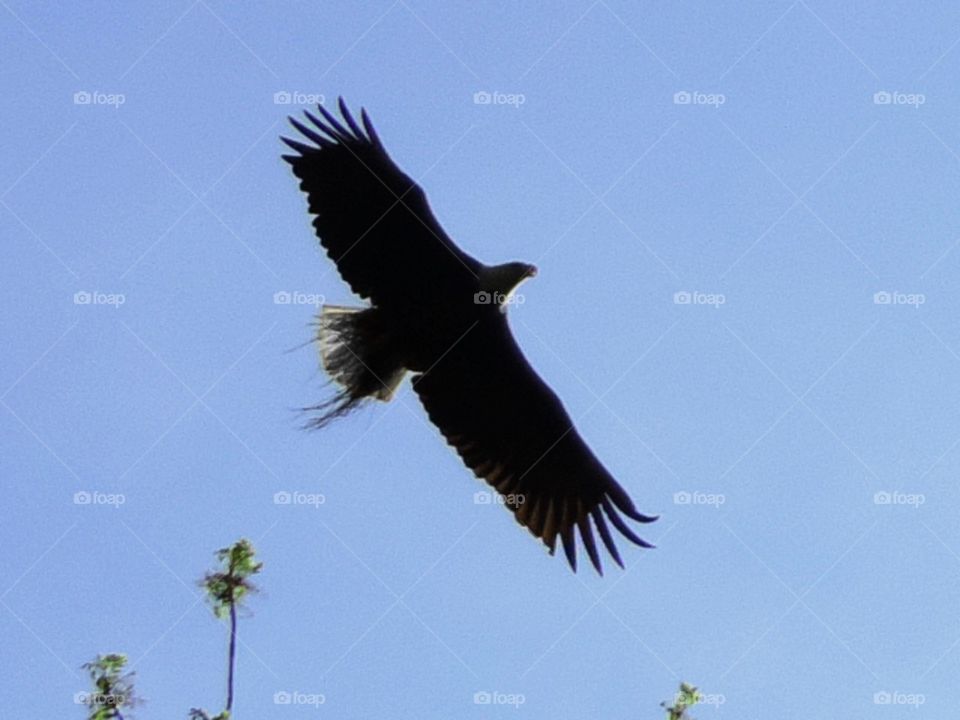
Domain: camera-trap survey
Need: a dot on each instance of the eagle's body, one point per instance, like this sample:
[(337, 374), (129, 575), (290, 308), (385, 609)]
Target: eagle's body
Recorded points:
[(440, 314)]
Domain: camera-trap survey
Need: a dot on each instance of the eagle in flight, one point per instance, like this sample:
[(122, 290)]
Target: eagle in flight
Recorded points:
[(438, 313)]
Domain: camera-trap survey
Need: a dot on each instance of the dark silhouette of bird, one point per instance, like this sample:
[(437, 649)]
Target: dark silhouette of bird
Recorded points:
[(440, 314)]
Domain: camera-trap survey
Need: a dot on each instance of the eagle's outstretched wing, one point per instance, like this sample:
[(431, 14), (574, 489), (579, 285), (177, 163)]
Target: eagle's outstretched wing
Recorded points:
[(372, 219), (510, 428)]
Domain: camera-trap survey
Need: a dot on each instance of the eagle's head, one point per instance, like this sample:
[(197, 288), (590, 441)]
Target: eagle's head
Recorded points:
[(497, 283)]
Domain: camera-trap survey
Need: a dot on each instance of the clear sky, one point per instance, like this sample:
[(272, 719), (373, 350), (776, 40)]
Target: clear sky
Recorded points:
[(746, 218)]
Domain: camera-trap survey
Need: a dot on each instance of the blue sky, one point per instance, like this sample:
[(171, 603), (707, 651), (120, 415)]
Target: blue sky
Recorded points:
[(747, 225)]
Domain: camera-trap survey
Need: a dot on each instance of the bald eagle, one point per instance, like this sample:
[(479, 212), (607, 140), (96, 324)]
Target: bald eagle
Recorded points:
[(440, 314)]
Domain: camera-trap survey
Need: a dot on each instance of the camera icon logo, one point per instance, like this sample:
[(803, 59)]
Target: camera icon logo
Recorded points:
[(882, 498), (482, 298), (282, 498)]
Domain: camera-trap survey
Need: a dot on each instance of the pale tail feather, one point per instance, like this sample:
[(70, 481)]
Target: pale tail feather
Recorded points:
[(356, 352)]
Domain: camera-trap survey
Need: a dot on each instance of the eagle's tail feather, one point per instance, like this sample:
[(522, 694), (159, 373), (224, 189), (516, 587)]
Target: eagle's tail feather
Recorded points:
[(358, 355)]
